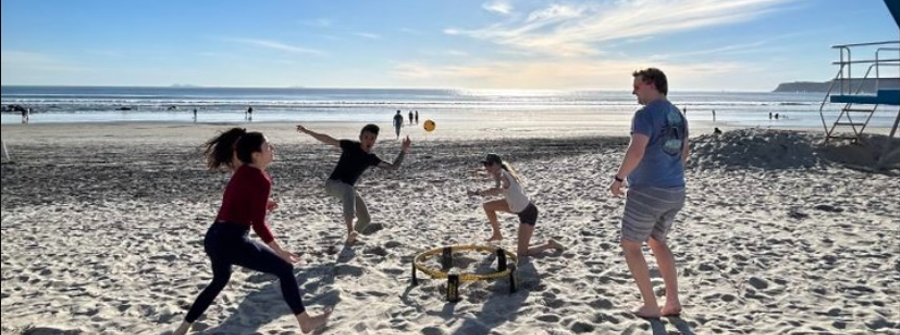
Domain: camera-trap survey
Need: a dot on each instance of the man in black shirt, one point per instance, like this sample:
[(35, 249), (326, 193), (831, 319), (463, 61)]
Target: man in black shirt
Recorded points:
[(356, 157)]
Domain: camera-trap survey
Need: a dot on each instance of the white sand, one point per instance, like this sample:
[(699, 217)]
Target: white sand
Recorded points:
[(102, 229)]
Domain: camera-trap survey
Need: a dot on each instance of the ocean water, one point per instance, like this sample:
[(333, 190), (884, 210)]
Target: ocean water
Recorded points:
[(175, 104)]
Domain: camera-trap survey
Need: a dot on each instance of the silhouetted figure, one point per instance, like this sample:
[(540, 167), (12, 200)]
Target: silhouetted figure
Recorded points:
[(776, 116), (249, 114), (25, 115), (195, 115), (417, 117), (398, 122), (714, 115), (717, 131), (770, 115), (410, 117)]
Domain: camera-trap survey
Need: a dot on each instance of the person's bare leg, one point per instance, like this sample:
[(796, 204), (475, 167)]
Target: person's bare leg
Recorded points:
[(351, 234), (491, 208), (309, 323), (666, 262), (524, 248), (641, 273)]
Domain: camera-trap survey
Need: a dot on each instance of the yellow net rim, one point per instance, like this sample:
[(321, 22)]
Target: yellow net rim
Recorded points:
[(511, 260)]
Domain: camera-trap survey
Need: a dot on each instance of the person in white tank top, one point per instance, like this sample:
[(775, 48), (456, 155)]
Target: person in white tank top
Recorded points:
[(515, 201)]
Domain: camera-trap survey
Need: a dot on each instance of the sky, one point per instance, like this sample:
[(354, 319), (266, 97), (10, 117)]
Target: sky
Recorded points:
[(733, 45)]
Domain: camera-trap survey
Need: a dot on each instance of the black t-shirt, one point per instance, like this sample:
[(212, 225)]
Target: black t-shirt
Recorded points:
[(353, 162), (398, 120)]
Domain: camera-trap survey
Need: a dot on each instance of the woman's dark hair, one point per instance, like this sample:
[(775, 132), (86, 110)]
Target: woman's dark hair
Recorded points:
[(222, 150)]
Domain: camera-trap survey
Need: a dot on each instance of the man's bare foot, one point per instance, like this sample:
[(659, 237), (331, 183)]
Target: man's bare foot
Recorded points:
[(647, 312), (495, 238), (673, 309), (351, 237), (310, 323)]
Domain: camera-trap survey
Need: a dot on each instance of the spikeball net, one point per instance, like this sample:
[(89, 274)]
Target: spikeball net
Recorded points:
[(438, 263)]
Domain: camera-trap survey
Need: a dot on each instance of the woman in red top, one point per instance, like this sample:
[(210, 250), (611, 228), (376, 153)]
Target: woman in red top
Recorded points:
[(244, 205)]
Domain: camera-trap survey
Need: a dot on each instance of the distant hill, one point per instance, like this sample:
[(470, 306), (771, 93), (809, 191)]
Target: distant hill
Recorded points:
[(868, 85)]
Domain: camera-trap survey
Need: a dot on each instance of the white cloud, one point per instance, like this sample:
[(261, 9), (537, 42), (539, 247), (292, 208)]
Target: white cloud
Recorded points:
[(548, 74), (447, 52), (368, 35), (269, 44), (498, 6), (575, 30)]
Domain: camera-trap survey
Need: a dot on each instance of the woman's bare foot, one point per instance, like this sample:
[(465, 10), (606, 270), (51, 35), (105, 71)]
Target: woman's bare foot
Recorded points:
[(351, 237), (647, 312), (495, 238), (310, 323), (673, 309)]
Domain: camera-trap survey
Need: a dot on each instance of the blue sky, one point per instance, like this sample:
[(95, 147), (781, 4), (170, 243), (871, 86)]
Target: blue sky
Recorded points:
[(702, 44)]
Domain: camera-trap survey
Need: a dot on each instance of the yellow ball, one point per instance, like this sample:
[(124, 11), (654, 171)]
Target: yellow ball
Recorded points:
[(429, 126)]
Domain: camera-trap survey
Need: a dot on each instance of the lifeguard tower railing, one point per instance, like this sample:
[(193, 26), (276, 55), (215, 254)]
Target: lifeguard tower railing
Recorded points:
[(862, 95)]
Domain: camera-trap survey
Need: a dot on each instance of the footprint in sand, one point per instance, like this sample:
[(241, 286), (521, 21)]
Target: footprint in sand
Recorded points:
[(432, 331), (580, 327), (378, 251), (348, 270), (372, 229)]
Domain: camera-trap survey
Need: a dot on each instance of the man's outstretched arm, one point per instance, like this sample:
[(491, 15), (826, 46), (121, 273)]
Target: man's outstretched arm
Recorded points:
[(321, 137)]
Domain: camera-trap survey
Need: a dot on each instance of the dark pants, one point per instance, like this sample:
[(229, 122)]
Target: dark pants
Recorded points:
[(229, 244)]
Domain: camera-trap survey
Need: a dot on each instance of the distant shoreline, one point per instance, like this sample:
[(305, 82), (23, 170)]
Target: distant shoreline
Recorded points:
[(867, 86)]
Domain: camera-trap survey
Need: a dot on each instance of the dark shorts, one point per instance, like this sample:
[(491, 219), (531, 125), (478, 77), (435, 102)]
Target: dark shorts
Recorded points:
[(529, 214)]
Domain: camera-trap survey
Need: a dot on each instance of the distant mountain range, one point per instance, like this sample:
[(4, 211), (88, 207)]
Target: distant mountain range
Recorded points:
[(868, 86)]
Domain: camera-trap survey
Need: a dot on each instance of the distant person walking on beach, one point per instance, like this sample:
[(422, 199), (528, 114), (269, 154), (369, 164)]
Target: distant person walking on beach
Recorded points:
[(417, 117), (654, 169), (356, 157), (26, 115), (249, 114), (410, 117), (714, 115), (195, 115), (398, 123), (770, 115), (244, 205), (507, 183)]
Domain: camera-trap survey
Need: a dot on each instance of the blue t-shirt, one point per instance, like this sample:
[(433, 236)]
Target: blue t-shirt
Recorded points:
[(667, 129)]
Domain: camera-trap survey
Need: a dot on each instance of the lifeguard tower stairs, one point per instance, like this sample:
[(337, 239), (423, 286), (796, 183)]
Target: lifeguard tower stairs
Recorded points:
[(862, 95)]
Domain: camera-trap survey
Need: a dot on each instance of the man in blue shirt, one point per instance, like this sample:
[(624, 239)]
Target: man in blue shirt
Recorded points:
[(654, 169)]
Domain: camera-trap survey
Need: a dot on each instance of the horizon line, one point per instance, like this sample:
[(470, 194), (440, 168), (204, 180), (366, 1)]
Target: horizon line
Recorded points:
[(188, 86)]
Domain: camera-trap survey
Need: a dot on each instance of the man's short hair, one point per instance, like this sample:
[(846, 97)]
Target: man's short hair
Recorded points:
[(370, 128), (654, 76)]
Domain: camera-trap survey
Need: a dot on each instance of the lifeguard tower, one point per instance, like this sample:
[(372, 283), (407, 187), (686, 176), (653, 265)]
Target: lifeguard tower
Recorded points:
[(862, 95)]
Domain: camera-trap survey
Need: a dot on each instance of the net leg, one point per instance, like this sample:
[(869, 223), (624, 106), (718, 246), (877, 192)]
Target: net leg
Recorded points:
[(513, 283)]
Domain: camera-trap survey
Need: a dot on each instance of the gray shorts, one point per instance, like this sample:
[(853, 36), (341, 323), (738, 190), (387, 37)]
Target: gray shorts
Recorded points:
[(353, 204), (650, 212)]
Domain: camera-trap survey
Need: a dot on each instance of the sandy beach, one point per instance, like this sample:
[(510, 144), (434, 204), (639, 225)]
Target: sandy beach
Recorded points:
[(102, 229)]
